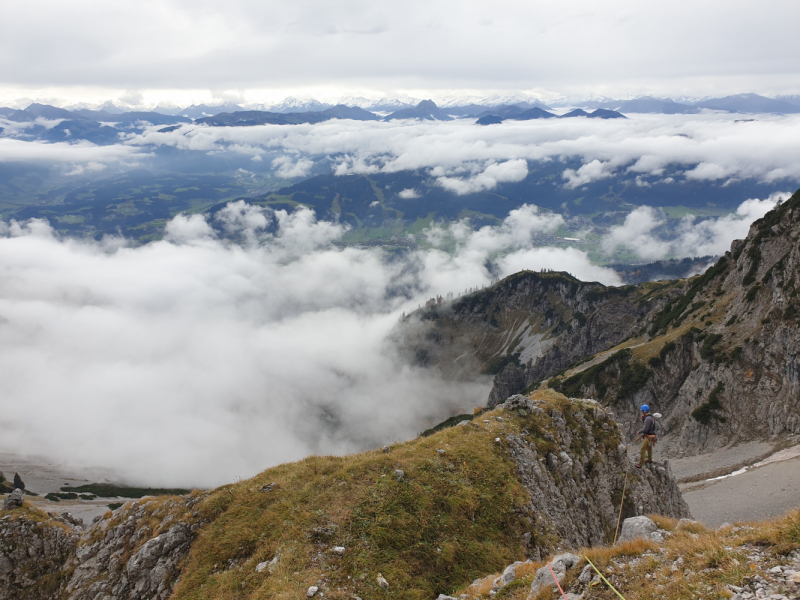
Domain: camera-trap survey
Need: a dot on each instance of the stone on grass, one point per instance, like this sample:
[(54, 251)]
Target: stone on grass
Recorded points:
[(261, 566), (509, 575), (382, 582), (399, 474), (338, 549), (14, 500), (657, 537), (560, 564), (445, 597), (586, 575), (312, 591), (635, 528)]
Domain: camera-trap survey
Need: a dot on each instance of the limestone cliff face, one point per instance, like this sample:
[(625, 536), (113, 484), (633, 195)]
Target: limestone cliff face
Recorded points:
[(730, 368), (135, 552), (527, 327), (576, 485), (719, 361), (33, 552)]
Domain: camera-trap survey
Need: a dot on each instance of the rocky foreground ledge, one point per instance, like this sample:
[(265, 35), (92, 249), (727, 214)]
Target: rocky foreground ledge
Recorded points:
[(665, 558), (521, 482)]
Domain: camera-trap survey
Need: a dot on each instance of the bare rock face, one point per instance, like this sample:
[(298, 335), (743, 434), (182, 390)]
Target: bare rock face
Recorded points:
[(134, 553), (523, 328), (33, 552), (576, 475), (127, 557), (14, 500)]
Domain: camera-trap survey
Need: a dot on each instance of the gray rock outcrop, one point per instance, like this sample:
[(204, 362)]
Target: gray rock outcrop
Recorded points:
[(14, 500), (508, 575), (124, 558), (633, 528), (640, 527), (576, 474), (134, 553), (33, 550), (560, 565)]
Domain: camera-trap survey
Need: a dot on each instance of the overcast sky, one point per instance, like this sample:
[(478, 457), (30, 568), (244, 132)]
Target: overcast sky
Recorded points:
[(151, 51)]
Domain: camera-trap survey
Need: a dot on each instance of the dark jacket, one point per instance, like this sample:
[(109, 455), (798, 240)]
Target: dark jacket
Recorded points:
[(649, 427)]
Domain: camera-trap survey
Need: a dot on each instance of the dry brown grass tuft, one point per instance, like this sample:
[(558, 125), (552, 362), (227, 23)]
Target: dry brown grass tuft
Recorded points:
[(665, 523), (694, 562)]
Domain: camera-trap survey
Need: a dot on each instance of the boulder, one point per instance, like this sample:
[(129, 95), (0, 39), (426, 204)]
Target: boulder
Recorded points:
[(637, 527), (560, 564), (509, 575), (14, 500), (586, 575)]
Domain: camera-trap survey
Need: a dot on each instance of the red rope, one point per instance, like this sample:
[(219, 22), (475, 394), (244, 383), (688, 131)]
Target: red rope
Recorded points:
[(556, 580)]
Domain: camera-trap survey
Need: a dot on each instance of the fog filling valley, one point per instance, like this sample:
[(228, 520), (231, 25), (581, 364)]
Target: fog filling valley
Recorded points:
[(196, 360)]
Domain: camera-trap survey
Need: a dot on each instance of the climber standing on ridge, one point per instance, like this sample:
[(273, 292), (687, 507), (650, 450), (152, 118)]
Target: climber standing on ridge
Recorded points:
[(648, 435)]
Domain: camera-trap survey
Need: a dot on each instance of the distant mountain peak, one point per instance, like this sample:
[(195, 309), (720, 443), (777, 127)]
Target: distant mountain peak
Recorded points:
[(426, 110)]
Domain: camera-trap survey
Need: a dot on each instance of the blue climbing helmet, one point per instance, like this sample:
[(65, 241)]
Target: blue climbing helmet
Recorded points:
[(645, 408)]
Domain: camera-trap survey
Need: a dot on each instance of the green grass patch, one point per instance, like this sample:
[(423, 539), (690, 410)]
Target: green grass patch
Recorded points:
[(110, 490), (619, 373), (709, 410)]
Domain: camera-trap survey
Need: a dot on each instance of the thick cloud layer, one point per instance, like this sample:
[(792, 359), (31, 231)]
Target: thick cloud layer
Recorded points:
[(195, 360), (466, 158), (648, 150), (252, 50)]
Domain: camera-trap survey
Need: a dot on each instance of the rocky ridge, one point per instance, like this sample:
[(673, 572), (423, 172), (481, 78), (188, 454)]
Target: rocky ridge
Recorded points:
[(716, 354), (526, 327), (136, 551), (720, 361), (750, 562), (571, 491), (535, 474)]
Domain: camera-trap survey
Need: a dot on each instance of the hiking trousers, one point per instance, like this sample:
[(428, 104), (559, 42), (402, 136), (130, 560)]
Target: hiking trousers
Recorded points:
[(646, 453)]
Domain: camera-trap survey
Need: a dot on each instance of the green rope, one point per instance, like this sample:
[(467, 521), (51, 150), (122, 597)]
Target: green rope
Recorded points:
[(613, 589)]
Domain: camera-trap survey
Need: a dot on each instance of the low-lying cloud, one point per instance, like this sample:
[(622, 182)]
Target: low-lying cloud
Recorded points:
[(195, 360), (466, 158), (645, 234)]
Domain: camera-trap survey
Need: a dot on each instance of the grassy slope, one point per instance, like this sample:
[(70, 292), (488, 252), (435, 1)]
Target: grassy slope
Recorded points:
[(451, 519)]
